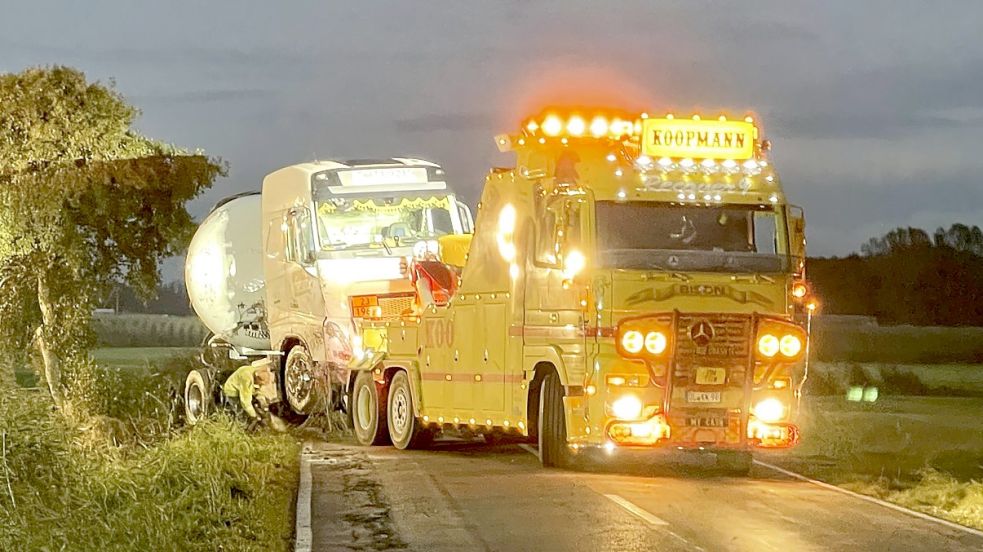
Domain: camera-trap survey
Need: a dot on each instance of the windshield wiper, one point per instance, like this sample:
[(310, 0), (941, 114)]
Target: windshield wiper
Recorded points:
[(666, 272), (753, 277)]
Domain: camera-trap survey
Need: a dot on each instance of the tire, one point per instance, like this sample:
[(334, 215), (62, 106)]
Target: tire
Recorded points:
[(299, 381), (199, 400), (737, 463), (553, 449), (405, 430), (368, 413)]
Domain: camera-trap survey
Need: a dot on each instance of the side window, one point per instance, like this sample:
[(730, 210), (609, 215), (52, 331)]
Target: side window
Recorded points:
[(299, 237), (467, 224), (289, 239), (549, 235), (765, 232)]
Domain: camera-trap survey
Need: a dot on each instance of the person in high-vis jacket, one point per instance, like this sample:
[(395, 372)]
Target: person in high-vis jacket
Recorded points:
[(251, 385)]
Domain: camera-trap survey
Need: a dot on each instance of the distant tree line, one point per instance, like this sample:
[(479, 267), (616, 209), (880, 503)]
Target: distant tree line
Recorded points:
[(908, 277)]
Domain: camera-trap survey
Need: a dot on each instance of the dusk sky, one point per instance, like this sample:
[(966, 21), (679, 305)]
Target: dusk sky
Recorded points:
[(874, 109)]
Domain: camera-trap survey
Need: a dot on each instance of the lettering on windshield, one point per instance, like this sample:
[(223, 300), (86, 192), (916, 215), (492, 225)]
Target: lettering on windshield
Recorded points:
[(655, 183)]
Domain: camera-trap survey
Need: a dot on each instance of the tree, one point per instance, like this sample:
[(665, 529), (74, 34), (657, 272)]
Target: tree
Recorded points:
[(85, 202), (897, 241), (961, 238)]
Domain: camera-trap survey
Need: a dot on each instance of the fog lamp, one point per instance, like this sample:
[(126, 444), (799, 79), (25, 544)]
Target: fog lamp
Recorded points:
[(627, 408), (769, 410)]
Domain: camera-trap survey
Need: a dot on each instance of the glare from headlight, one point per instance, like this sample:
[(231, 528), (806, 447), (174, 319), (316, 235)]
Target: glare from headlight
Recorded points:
[(632, 341), (769, 410), (790, 345), (768, 345), (627, 408), (655, 343)]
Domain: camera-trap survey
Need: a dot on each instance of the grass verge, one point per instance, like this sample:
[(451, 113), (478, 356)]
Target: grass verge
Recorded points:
[(121, 477)]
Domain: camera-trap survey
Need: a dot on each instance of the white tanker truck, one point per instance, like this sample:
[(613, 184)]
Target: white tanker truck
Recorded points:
[(282, 276)]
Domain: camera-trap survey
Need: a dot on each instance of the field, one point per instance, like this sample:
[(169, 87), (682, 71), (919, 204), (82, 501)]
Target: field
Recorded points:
[(836, 339), (148, 330)]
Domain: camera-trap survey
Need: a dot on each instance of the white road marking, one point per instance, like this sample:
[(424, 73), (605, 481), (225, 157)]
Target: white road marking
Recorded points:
[(645, 515), (920, 515), (303, 541), (650, 518), (530, 449)]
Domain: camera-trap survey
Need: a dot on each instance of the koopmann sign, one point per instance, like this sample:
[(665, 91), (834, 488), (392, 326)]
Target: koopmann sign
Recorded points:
[(698, 139)]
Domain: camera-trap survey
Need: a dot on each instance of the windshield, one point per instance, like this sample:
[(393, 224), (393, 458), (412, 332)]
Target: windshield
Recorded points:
[(383, 222), (649, 235)]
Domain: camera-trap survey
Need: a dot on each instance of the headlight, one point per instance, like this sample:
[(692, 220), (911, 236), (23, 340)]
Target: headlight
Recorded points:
[(632, 341), (655, 342), (768, 345), (790, 345), (769, 410), (627, 408)]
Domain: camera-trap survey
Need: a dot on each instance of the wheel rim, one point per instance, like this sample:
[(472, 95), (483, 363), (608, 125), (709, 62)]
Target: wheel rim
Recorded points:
[(298, 380), (195, 402), (363, 407), (399, 412)]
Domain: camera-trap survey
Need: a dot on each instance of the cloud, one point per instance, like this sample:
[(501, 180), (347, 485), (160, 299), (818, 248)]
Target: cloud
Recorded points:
[(453, 122), (205, 96)]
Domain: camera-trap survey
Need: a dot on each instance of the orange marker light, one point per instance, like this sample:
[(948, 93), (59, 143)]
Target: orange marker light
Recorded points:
[(598, 127), (576, 126), (799, 290), (552, 126)]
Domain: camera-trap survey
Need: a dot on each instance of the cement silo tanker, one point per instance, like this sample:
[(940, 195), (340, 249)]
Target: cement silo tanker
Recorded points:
[(224, 274)]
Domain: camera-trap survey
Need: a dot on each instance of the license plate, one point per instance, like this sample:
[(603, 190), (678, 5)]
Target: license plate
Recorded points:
[(703, 396), (710, 376), (706, 422)]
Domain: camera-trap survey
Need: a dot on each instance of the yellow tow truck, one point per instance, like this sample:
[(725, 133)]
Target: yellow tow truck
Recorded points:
[(632, 283)]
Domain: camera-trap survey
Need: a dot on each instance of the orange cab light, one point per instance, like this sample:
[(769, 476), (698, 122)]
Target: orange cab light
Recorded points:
[(576, 126), (598, 126), (799, 290), (552, 125)]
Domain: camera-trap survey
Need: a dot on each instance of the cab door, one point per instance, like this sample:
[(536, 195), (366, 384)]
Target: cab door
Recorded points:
[(304, 299)]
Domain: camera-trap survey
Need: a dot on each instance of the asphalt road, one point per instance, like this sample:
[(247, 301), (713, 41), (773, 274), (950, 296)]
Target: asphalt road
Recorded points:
[(465, 496)]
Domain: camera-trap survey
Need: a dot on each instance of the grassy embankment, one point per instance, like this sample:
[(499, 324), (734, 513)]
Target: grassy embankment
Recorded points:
[(126, 476), (920, 444)]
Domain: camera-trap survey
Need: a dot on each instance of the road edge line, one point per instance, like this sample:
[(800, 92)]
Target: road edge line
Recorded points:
[(884, 503), (302, 531)]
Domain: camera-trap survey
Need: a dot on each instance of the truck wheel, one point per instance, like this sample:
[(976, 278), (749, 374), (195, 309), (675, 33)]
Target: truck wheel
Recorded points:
[(198, 397), (368, 415), (300, 381), (736, 463), (405, 430), (553, 449)]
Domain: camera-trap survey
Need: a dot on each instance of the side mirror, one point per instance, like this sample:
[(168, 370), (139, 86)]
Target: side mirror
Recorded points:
[(796, 233)]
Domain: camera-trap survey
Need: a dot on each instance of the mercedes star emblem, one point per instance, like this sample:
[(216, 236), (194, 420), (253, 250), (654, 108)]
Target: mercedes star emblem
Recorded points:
[(702, 333)]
